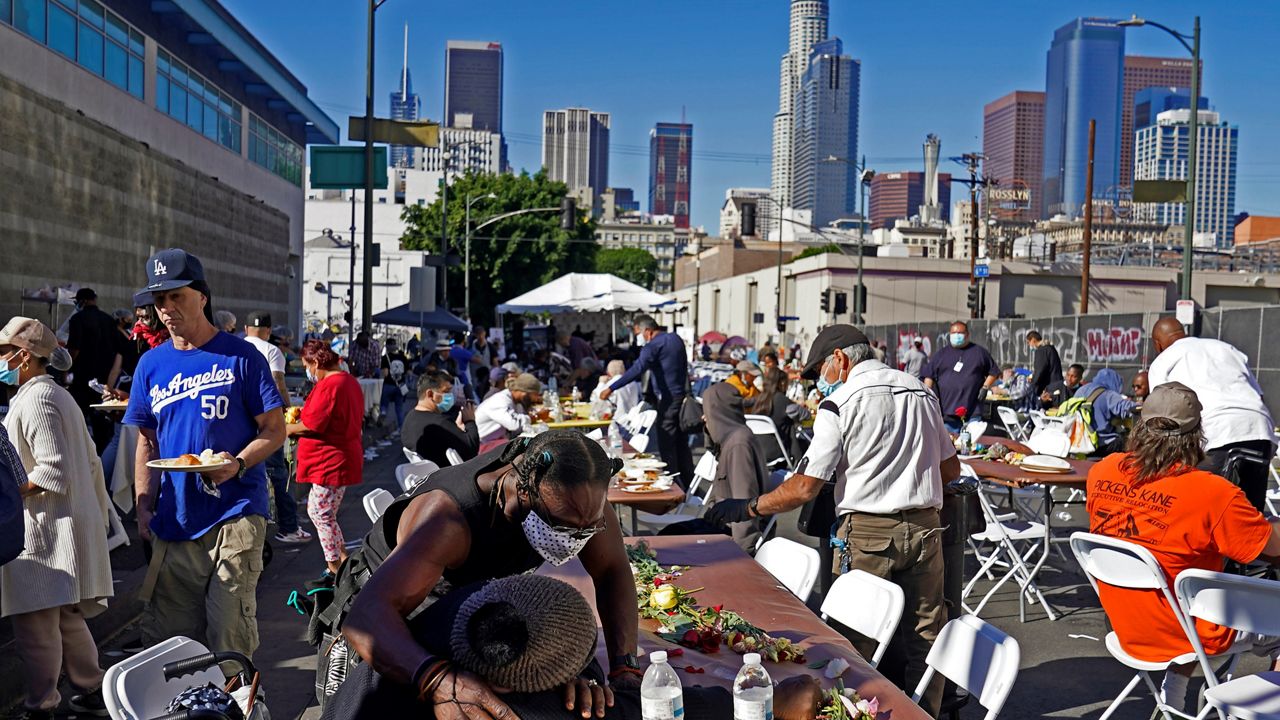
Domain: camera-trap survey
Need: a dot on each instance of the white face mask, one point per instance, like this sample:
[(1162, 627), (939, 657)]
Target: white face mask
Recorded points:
[(639, 339), (758, 383), (555, 546)]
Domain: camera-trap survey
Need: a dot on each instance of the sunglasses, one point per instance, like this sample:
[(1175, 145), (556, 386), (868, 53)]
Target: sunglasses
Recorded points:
[(577, 533)]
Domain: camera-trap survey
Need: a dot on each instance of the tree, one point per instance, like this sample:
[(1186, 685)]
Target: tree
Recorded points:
[(630, 264), (511, 256), (817, 250)]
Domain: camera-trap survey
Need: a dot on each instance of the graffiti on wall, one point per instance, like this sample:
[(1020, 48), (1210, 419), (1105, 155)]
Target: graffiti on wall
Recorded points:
[(1113, 344), (907, 339)]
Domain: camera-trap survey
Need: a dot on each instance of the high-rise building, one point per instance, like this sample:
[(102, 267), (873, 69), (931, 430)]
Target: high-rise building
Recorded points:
[(670, 170), (473, 85), (1150, 102), (808, 26), (405, 105), (824, 126), (469, 150), (899, 195), (575, 149), (1082, 82), (1160, 153), (1141, 72), (1013, 143), (735, 199)]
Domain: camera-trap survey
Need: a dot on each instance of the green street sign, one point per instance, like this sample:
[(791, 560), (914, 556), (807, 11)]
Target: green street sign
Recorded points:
[(341, 167)]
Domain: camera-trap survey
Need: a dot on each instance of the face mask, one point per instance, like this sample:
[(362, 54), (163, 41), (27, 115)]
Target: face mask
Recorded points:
[(555, 546), (639, 339), (825, 386), (445, 403), (758, 383), (311, 375), (957, 339), (8, 376)]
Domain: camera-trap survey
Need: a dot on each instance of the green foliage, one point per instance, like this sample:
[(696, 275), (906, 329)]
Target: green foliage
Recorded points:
[(511, 256), (630, 264), (818, 250)]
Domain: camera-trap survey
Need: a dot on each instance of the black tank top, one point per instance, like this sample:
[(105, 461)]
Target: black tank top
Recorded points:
[(498, 546)]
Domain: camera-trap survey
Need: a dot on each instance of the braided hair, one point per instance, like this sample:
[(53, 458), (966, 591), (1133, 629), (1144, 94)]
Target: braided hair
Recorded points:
[(563, 457)]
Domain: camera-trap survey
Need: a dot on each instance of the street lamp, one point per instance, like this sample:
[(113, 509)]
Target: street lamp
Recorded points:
[(466, 282), (445, 156), (1189, 222), (864, 179)]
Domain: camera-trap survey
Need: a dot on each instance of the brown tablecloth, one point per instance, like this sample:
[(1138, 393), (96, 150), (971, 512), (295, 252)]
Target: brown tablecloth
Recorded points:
[(728, 575), (655, 502), (1014, 476)]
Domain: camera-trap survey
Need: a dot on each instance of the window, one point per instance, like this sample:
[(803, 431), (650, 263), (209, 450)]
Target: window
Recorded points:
[(190, 99), (98, 41), (274, 151)]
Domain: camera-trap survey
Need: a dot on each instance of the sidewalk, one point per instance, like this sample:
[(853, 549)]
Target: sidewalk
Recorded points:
[(286, 661)]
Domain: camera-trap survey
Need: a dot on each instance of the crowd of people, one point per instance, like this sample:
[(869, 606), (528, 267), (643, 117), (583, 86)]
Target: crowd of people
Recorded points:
[(869, 436)]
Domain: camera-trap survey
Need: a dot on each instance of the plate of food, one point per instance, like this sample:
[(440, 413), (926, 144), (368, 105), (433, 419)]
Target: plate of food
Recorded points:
[(117, 405), (646, 464), (639, 456), (649, 488), (1045, 464), (205, 461)]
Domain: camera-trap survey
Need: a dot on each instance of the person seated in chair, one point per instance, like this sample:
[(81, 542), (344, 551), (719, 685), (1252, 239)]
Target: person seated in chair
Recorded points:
[(1154, 496), (740, 466)]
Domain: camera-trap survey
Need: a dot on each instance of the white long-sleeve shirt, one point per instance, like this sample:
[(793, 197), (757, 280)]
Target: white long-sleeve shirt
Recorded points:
[(498, 415)]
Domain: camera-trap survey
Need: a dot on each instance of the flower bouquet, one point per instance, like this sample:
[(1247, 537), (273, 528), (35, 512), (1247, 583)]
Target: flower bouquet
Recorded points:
[(841, 703)]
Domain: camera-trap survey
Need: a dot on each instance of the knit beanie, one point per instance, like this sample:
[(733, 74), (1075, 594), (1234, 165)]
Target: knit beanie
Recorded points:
[(529, 633)]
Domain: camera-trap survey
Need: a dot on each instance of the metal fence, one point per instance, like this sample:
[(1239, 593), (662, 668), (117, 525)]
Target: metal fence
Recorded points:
[(1120, 341)]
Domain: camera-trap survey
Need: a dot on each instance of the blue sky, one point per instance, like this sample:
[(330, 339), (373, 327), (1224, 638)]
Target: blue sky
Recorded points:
[(927, 66)]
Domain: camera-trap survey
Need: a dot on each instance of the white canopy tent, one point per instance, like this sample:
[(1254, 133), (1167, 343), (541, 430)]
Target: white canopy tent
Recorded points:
[(588, 292)]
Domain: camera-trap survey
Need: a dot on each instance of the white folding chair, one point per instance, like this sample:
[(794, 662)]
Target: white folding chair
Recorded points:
[(412, 456), (453, 456), (1037, 419), (976, 656), (1013, 543), (376, 503), (694, 503), (135, 688), (867, 604), (1123, 564), (764, 425), (408, 475), (639, 442), (1243, 603), (1012, 423), (644, 423), (1273, 490), (793, 564)]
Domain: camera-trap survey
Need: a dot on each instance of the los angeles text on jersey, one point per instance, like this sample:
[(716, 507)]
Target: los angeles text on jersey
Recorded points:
[(180, 386)]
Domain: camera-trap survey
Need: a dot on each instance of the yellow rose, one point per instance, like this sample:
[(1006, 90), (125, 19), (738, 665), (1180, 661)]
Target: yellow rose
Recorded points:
[(663, 598)]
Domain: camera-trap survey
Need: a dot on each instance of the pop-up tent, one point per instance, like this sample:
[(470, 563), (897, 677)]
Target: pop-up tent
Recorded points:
[(582, 292), (438, 319)]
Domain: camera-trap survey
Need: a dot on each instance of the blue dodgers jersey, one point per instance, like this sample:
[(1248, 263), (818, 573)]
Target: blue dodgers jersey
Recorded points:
[(196, 399)]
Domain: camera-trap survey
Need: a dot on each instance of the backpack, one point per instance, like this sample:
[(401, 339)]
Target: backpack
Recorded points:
[(12, 521), (1084, 439)]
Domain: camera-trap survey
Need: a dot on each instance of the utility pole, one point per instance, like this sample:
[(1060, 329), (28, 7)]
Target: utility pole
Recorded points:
[(366, 306), (1087, 236), (351, 285), (1193, 138)]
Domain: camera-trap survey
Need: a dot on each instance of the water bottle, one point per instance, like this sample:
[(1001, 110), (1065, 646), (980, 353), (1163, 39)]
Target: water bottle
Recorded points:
[(661, 697), (966, 442), (615, 440), (97, 386), (554, 387), (577, 395), (752, 691)]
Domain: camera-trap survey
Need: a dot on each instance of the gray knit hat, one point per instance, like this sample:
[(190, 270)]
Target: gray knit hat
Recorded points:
[(528, 633)]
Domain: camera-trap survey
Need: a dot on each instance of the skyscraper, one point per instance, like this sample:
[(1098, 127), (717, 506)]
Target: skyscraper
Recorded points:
[(670, 170), (575, 148), (1142, 72), (1013, 143), (899, 195), (825, 125), (1150, 102), (473, 85), (808, 26), (1082, 83), (1160, 153), (405, 105)]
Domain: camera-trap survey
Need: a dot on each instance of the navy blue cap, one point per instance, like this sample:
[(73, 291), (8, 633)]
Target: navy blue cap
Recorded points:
[(171, 269)]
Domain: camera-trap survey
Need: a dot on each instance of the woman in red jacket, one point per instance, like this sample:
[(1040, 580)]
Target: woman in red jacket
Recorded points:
[(330, 455)]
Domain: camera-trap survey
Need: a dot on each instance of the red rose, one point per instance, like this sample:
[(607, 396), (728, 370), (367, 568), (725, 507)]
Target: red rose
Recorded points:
[(718, 608), (961, 412), (657, 582)]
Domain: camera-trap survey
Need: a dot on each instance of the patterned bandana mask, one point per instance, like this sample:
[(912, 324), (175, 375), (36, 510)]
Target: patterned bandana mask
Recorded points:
[(555, 546)]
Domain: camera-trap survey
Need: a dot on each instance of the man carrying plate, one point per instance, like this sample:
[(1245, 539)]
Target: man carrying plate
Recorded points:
[(203, 389)]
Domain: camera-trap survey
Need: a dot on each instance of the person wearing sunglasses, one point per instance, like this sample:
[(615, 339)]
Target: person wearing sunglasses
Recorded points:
[(534, 500)]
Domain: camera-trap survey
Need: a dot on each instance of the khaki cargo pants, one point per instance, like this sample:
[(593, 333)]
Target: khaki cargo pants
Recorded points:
[(206, 589), (906, 549)]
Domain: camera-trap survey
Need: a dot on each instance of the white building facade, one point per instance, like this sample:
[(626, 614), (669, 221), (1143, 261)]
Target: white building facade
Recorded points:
[(731, 210), (656, 235), (1160, 153)]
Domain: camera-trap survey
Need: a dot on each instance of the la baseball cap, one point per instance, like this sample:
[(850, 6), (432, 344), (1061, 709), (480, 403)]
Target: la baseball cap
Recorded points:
[(171, 269)]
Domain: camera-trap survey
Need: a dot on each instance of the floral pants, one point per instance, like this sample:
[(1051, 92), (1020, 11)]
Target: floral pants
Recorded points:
[(322, 508)]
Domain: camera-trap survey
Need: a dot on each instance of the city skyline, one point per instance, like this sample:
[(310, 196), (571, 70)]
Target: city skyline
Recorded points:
[(911, 85)]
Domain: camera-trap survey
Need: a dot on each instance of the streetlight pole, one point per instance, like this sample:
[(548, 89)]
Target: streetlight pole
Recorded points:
[(466, 278), (1189, 222)]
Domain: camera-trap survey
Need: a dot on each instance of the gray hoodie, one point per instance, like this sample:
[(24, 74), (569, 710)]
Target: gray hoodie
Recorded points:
[(740, 468)]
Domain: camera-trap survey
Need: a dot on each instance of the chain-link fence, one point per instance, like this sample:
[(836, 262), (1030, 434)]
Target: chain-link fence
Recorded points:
[(1120, 341)]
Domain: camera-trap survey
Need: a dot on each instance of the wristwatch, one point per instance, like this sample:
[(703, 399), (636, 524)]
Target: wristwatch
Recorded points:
[(243, 467), (753, 507), (626, 660)]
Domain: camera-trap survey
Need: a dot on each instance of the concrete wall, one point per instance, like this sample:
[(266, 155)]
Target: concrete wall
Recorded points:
[(82, 203), (70, 134)]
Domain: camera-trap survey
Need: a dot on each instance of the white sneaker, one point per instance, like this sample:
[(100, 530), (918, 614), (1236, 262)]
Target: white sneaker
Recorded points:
[(297, 536)]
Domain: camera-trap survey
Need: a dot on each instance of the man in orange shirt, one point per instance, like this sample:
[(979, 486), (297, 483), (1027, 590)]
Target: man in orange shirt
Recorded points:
[(1154, 496)]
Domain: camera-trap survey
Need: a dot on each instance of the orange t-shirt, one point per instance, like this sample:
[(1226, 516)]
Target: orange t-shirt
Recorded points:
[(1192, 520)]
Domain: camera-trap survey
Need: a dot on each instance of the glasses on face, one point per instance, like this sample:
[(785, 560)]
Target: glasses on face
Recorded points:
[(577, 533)]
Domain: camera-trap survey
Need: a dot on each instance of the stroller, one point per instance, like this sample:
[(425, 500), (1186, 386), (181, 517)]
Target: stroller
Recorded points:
[(179, 679)]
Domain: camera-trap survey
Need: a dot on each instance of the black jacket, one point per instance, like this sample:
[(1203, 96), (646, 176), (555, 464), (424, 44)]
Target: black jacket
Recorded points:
[(1046, 368)]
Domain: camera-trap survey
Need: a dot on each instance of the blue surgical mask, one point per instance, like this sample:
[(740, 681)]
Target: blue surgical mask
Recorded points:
[(8, 376), (826, 387), (446, 403), (957, 339)]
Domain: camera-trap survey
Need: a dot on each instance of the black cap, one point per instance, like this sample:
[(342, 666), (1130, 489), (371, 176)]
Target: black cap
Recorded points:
[(259, 319), (828, 341), (171, 269), (85, 293)]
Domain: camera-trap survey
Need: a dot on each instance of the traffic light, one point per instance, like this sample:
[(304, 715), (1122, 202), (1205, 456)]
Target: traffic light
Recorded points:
[(975, 301), (826, 301), (568, 213), (748, 219), (782, 325), (842, 303)]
